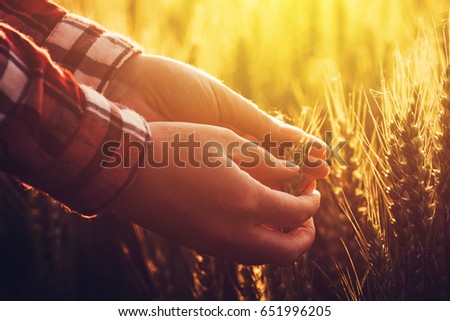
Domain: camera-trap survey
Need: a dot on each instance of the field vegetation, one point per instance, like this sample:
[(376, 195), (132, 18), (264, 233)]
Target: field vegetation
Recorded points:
[(373, 73)]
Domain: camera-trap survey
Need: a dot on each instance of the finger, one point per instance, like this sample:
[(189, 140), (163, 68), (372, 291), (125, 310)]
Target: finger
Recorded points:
[(276, 185), (317, 149), (246, 117), (311, 187), (315, 167), (275, 247), (239, 132), (299, 185), (262, 165), (284, 210), (309, 146), (250, 138), (314, 162), (258, 162)]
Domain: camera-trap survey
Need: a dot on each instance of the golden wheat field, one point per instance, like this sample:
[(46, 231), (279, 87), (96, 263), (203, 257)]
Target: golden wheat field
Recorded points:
[(371, 73)]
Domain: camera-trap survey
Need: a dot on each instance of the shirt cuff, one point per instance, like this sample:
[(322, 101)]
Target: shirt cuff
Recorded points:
[(99, 163), (64, 139), (92, 53)]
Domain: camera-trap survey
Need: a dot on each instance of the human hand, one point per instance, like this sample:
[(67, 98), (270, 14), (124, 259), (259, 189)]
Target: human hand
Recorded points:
[(221, 210), (163, 89)]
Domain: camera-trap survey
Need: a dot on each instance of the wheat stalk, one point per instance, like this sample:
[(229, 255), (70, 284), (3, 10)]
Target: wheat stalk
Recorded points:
[(155, 253), (302, 279), (251, 282), (443, 185), (344, 187), (408, 185), (207, 277), (381, 270)]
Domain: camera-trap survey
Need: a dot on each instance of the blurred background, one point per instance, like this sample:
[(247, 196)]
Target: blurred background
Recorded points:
[(273, 52), (280, 54)]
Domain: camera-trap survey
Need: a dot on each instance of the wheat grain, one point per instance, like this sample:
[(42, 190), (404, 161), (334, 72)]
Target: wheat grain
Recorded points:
[(443, 186), (409, 190)]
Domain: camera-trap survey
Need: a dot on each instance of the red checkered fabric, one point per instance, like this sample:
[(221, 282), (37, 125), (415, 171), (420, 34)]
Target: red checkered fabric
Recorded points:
[(92, 53), (35, 18), (51, 128)]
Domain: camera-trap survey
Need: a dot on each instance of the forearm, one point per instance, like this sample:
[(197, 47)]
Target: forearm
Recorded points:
[(52, 130)]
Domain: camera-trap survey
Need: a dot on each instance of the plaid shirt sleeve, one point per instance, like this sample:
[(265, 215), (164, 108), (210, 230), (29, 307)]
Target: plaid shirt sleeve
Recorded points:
[(90, 52), (52, 130)]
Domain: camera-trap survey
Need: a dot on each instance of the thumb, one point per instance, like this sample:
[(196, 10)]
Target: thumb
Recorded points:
[(261, 164), (247, 118)]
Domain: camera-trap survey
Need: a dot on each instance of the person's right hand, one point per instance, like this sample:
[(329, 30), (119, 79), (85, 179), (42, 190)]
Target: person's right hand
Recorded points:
[(164, 89), (227, 210)]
